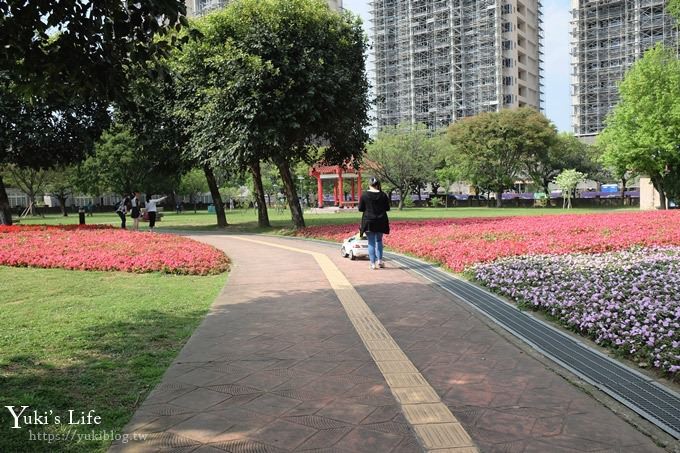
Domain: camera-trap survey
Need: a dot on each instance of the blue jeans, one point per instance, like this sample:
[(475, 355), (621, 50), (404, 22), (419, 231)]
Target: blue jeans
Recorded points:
[(375, 246)]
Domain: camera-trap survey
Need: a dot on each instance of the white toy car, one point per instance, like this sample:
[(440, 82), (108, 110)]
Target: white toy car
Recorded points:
[(354, 247)]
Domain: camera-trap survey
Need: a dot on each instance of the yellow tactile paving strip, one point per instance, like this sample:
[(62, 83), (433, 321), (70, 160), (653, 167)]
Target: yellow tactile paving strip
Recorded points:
[(432, 421)]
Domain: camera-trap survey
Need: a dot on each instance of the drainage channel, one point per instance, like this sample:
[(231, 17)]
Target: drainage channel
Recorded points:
[(654, 402), (641, 394)]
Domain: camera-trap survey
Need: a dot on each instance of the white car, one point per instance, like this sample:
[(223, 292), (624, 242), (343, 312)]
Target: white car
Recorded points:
[(354, 247)]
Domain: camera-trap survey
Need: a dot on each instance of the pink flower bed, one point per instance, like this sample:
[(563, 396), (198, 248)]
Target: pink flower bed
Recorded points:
[(460, 243), (104, 248)]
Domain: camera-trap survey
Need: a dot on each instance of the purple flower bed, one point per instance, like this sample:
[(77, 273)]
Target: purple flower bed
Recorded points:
[(628, 301)]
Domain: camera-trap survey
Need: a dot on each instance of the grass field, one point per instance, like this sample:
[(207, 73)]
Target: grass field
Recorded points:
[(86, 341), (247, 220)]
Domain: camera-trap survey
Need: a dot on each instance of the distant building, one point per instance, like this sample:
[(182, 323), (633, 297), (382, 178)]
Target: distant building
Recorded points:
[(201, 7), (607, 38), (440, 60)]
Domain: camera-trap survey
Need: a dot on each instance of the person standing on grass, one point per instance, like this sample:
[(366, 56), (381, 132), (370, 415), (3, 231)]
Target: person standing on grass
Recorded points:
[(151, 209), (136, 211), (122, 210), (374, 221)]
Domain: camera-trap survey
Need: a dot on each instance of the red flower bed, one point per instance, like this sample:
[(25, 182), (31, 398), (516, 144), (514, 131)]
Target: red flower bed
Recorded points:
[(18, 228), (102, 248), (459, 243)]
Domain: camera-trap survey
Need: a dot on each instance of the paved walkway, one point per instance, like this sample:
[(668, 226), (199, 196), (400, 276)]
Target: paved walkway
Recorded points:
[(306, 351)]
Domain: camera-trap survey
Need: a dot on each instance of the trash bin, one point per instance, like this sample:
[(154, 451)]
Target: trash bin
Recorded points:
[(211, 209), (81, 216)]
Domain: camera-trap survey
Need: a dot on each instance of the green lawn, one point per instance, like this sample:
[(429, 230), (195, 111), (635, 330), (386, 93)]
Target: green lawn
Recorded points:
[(79, 341), (247, 220)]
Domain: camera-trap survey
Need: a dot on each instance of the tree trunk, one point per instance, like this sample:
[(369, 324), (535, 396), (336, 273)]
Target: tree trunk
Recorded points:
[(499, 198), (262, 215), (31, 203), (172, 200), (657, 182), (291, 193), (623, 191), (402, 197), (5, 208), (662, 200), (217, 199), (546, 190), (62, 204)]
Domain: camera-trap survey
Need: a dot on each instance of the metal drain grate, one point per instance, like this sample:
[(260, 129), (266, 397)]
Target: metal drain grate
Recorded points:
[(631, 388), (651, 400)]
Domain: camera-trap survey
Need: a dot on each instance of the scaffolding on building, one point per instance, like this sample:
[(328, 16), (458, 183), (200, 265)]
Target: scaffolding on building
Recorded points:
[(440, 60), (203, 7), (608, 36)]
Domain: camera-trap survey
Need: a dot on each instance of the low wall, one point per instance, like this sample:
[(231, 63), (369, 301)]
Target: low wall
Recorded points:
[(554, 202)]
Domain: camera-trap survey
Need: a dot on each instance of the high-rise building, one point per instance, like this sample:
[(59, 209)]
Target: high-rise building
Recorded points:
[(201, 7), (440, 60), (335, 4), (607, 38)]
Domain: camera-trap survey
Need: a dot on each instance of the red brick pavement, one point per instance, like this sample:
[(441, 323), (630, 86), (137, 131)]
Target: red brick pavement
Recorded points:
[(277, 366)]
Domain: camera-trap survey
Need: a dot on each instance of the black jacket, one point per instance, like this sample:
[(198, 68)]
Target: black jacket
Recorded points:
[(374, 205)]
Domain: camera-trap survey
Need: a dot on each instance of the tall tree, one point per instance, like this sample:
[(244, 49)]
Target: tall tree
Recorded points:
[(566, 151), (489, 149), (616, 167), (217, 94), (36, 133), (283, 76), (60, 57), (160, 136), (402, 154), (61, 183), (122, 165), (642, 133), (193, 184), (114, 166), (29, 180), (271, 182), (79, 48), (439, 174), (446, 175)]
